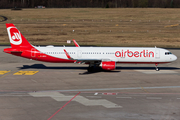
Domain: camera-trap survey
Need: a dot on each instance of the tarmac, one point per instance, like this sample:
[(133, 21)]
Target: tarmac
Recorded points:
[(34, 90)]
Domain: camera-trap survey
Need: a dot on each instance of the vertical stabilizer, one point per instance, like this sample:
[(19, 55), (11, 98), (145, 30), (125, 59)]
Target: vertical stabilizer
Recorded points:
[(17, 40)]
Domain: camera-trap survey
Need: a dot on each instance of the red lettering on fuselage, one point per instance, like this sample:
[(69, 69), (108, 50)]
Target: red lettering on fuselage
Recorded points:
[(130, 53), (118, 54), (136, 54), (143, 53)]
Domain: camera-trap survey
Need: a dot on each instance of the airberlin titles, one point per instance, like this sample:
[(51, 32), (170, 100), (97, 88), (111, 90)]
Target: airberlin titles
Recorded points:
[(128, 53)]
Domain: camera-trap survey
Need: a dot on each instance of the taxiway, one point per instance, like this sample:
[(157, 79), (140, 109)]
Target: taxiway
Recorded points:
[(34, 90)]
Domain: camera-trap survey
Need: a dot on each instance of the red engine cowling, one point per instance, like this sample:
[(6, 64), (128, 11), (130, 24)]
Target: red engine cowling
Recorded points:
[(108, 65)]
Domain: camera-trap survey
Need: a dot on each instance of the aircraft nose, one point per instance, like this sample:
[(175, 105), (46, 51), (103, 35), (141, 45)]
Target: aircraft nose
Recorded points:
[(174, 58)]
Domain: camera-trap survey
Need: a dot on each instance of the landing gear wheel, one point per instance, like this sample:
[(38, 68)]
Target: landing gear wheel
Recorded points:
[(157, 69), (90, 69)]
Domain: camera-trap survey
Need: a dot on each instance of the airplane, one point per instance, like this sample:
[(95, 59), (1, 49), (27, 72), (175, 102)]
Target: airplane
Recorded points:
[(105, 57)]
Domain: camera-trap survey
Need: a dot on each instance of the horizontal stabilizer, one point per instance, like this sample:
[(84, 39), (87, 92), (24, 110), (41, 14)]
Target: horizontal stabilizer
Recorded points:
[(12, 50)]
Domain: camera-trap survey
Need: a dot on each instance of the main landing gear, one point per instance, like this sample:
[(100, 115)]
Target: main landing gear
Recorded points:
[(90, 69), (157, 69), (93, 67)]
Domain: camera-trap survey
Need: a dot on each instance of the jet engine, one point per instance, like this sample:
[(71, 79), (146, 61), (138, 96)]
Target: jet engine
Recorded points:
[(108, 65)]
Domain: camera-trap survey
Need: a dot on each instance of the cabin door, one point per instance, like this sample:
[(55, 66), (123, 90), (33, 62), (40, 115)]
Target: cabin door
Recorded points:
[(79, 54), (33, 52), (157, 55)]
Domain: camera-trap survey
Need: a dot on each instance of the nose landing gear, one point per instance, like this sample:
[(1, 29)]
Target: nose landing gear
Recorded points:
[(157, 69)]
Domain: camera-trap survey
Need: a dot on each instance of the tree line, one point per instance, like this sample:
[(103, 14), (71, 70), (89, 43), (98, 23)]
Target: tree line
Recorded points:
[(90, 3)]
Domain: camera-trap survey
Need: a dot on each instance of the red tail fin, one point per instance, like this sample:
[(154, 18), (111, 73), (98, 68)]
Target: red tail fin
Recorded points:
[(17, 40)]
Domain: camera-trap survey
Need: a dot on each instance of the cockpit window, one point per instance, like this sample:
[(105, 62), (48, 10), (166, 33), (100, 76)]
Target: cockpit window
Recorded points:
[(168, 53)]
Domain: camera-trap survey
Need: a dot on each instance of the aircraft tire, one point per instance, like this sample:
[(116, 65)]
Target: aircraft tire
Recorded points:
[(90, 69)]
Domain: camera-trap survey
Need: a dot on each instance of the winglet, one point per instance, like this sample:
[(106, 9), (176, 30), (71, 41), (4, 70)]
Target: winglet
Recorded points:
[(68, 56), (76, 44)]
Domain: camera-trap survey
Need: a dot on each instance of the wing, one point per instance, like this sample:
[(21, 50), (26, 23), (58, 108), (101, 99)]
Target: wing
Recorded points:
[(84, 61), (87, 61)]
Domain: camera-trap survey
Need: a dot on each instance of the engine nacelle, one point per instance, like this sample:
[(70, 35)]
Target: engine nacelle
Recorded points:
[(108, 65)]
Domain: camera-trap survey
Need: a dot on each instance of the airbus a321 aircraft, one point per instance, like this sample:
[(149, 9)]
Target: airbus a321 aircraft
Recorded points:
[(105, 57)]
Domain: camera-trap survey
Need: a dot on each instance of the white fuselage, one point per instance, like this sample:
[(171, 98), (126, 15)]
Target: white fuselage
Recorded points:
[(117, 54)]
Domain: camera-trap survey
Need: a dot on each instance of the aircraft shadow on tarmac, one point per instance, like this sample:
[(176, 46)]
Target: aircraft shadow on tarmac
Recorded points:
[(41, 66), (98, 69)]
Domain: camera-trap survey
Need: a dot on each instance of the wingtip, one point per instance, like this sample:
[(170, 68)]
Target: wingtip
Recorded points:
[(76, 44)]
